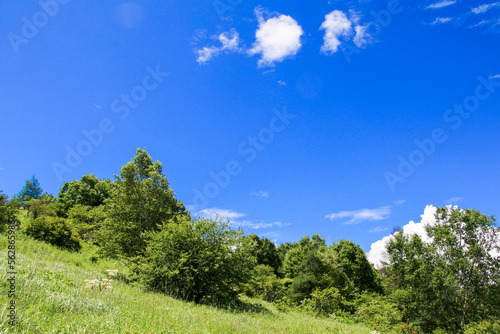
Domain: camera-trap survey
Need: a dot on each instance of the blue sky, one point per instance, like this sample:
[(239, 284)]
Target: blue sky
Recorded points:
[(340, 118)]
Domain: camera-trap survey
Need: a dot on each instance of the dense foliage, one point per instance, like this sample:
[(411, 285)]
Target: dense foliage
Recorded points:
[(452, 280), (140, 201), (54, 230), (201, 260)]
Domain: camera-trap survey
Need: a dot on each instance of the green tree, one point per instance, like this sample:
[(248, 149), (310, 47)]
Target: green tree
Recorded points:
[(87, 220), (140, 201), (299, 252), (89, 191), (356, 266), (202, 260), (453, 280), (45, 205), (30, 191), (265, 252)]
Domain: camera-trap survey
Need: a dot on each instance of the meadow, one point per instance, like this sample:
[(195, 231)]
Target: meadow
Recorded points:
[(52, 297)]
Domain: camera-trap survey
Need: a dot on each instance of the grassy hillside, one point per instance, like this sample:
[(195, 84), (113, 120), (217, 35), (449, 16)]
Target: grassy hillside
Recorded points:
[(52, 298)]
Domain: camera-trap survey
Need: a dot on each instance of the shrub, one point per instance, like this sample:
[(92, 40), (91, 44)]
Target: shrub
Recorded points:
[(204, 261), (483, 327), (54, 230), (328, 301), (86, 220), (378, 312)]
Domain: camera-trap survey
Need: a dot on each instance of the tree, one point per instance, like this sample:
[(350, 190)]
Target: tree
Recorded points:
[(89, 191), (140, 201), (265, 252), (356, 266), (87, 220), (202, 260), (452, 280), (299, 252), (30, 191)]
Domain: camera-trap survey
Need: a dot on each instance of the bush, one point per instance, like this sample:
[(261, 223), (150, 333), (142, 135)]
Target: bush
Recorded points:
[(483, 327), (204, 261), (328, 301), (264, 284), (55, 231), (86, 220), (378, 312)]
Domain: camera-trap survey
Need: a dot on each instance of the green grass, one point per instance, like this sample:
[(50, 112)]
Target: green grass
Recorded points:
[(51, 298)]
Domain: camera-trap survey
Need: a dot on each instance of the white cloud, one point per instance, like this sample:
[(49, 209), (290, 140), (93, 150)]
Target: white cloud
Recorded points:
[(359, 216), (454, 200), (400, 202), (225, 214), (441, 4), (257, 224), (276, 38), (230, 43), (441, 20), (378, 254), (261, 193), (484, 8), (234, 216), (282, 83), (362, 37), (378, 229), (497, 76), (336, 26)]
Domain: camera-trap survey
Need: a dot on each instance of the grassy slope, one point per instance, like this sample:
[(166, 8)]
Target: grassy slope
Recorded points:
[(52, 299)]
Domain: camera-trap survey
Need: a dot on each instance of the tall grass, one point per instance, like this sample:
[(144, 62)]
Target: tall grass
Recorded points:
[(52, 298)]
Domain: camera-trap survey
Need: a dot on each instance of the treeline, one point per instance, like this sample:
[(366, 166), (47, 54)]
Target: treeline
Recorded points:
[(448, 285)]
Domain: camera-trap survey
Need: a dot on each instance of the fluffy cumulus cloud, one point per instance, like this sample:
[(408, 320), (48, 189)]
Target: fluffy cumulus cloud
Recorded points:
[(276, 38), (441, 4), (339, 27), (229, 41), (362, 215), (336, 26), (378, 254)]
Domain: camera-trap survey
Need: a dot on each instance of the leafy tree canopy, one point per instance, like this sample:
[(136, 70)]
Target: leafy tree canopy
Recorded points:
[(452, 280), (140, 201)]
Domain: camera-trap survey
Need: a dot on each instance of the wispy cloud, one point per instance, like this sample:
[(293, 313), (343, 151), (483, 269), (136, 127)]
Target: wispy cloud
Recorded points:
[(223, 213), (441, 20), (261, 193), (453, 200), (258, 224), (362, 215), (229, 43), (282, 83), (378, 229), (484, 8), (400, 202), (497, 76), (441, 4), (276, 38), (234, 218)]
